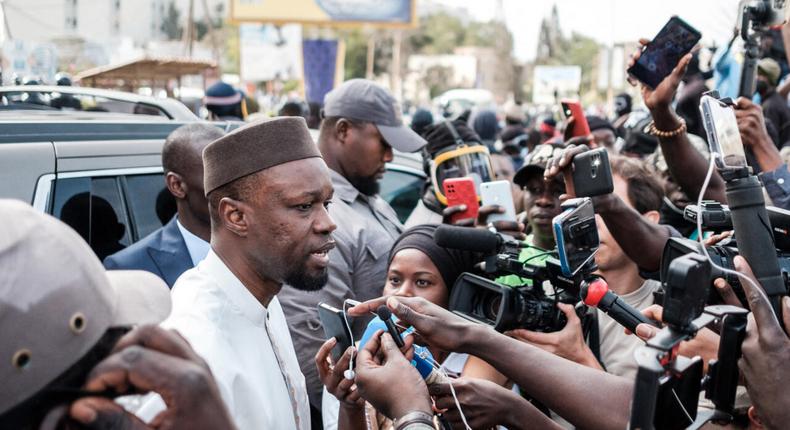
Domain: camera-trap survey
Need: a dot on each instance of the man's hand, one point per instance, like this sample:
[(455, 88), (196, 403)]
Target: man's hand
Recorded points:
[(705, 343), (434, 325), (765, 354), (660, 98), (388, 381), (754, 135), (151, 359), (332, 376), (511, 228), (486, 405), (567, 343)]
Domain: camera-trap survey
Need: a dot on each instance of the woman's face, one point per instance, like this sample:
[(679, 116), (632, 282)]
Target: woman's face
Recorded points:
[(413, 274)]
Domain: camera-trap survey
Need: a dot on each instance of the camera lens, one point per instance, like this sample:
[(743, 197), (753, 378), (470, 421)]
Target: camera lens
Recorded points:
[(489, 306)]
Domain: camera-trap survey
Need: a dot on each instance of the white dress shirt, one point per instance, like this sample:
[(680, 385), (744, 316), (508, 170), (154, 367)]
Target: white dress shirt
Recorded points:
[(197, 247), (241, 340)]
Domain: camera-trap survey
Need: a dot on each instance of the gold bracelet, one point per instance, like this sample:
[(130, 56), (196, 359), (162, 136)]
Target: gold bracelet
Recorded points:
[(667, 134)]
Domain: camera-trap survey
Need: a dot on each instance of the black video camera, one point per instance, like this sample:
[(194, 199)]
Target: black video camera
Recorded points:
[(528, 305)]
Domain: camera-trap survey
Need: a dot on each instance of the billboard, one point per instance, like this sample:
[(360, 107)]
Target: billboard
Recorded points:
[(27, 59), (383, 13), (551, 83)]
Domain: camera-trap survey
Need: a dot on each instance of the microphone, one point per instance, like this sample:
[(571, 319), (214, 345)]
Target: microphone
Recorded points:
[(597, 294), (468, 239), (386, 315)]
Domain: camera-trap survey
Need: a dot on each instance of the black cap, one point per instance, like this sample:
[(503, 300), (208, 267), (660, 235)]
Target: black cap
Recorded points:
[(536, 162)]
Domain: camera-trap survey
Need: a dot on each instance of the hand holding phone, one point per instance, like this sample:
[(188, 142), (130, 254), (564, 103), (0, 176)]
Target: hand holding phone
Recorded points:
[(659, 57), (592, 174), (572, 109), (498, 193), (336, 325), (461, 191)]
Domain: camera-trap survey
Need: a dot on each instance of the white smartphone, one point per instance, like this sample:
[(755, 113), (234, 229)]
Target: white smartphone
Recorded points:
[(721, 127), (498, 193)]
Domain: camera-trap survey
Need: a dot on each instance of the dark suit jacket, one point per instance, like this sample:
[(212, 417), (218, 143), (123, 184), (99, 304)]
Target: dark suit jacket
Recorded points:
[(163, 253)]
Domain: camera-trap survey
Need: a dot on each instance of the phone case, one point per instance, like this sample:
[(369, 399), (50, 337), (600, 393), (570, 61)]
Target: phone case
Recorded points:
[(573, 109), (592, 174), (676, 39), (335, 326), (569, 228), (724, 138), (461, 191), (498, 193)]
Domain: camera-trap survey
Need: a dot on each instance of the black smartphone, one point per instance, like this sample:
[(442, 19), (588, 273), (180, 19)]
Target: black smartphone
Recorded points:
[(336, 325), (663, 53), (592, 174)]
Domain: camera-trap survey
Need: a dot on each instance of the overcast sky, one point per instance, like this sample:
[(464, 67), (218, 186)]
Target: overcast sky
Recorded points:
[(605, 20)]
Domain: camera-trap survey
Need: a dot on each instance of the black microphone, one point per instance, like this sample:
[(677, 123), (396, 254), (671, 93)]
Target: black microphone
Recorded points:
[(597, 294), (468, 239), (386, 315)]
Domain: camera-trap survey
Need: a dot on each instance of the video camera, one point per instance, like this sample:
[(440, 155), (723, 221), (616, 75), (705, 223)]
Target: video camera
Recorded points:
[(755, 17), (529, 305)]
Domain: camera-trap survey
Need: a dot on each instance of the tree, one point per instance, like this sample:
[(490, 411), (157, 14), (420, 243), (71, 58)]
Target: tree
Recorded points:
[(171, 26)]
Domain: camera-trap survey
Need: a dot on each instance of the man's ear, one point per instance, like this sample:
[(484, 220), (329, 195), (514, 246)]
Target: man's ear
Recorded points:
[(342, 129), (653, 216), (176, 185), (754, 419), (234, 216)]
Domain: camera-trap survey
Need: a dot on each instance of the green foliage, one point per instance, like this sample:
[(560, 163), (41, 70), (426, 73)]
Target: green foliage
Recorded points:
[(171, 22)]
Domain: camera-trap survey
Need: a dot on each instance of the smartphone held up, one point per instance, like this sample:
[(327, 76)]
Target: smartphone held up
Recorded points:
[(659, 57)]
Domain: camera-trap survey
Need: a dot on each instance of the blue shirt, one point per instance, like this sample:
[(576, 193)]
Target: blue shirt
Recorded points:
[(777, 184), (197, 247)]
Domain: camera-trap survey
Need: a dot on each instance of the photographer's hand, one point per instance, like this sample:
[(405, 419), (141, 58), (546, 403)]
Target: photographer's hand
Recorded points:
[(486, 405), (152, 359), (510, 228), (686, 165), (388, 381), (765, 354), (754, 135), (567, 343)]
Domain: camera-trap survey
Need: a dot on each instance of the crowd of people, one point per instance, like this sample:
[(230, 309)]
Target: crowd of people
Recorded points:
[(212, 321)]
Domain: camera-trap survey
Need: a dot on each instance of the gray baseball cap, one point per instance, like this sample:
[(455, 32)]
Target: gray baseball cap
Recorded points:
[(57, 301), (366, 100)]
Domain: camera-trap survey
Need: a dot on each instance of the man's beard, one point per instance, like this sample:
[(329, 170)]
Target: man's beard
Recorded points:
[(368, 186), (303, 281)]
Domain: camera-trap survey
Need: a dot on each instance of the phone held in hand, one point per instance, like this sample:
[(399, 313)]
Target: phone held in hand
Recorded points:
[(335, 325), (592, 174), (576, 235), (498, 193), (659, 57), (461, 191), (724, 139), (573, 109)]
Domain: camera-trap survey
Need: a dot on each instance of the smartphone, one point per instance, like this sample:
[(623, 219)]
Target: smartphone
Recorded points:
[(576, 235), (592, 174), (676, 39), (724, 139), (573, 109), (336, 325), (461, 191), (498, 193)]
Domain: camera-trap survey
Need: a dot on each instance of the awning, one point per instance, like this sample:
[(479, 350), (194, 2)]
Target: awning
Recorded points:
[(145, 71)]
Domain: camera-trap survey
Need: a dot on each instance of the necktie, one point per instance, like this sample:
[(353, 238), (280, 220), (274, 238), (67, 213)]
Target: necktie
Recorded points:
[(278, 354)]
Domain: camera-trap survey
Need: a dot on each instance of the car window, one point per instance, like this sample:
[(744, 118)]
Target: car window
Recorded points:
[(94, 208), (402, 190), (67, 101), (150, 203)]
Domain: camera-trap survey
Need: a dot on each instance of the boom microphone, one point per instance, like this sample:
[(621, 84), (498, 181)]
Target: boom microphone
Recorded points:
[(468, 239), (597, 294)]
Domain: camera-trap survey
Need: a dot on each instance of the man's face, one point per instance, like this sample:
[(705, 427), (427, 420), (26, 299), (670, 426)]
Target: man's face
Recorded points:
[(610, 256), (542, 203), (364, 158), (289, 231)]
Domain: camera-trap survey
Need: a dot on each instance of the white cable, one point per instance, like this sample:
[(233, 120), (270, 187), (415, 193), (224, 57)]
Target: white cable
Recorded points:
[(748, 279), (349, 374), (442, 372)]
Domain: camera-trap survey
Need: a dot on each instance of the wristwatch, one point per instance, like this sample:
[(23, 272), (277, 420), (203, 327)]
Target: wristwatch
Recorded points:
[(414, 420)]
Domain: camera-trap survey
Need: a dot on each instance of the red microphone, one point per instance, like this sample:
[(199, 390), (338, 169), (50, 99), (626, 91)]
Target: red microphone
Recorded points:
[(597, 294)]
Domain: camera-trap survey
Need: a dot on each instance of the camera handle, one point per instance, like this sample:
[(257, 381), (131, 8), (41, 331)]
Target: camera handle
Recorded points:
[(660, 356), (750, 220), (750, 33), (721, 381)]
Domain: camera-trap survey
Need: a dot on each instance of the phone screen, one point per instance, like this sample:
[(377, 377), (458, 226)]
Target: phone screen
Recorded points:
[(724, 138), (664, 52)]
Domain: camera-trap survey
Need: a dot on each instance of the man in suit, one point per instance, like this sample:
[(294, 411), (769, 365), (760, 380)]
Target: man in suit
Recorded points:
[(184, 240)]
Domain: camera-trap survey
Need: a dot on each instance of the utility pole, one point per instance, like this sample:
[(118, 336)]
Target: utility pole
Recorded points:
[(211, 34), (371, 53), (189, 31), (396, 84)]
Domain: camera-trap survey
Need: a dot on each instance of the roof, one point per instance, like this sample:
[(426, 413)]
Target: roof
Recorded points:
[(147, 69)]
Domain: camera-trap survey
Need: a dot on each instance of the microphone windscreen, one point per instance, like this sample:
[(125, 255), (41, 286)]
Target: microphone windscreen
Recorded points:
[(466, 238), (384, 313)]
